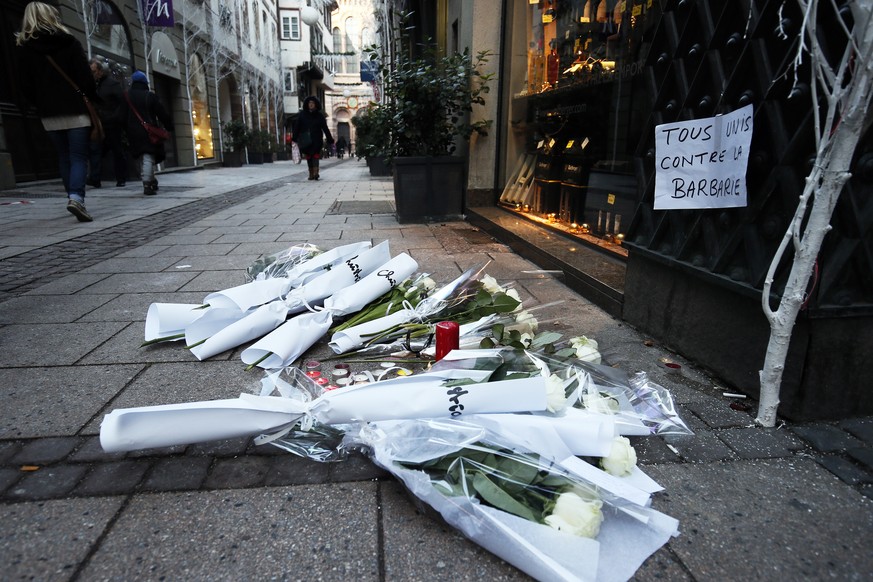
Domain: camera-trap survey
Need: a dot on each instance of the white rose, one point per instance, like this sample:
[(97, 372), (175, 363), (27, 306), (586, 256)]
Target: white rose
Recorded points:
[(601, 404), (490, 284), (586, 349), (526, 339), (525, 323), (576, 516), (427, 284), (556, 399), (514, 294), (622, 458)]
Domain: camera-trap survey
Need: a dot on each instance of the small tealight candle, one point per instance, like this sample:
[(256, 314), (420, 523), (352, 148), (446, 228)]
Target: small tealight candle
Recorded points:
[(322, 381), (313, 368)]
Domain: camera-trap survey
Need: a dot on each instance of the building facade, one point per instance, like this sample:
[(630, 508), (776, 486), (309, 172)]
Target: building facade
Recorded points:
[(209, 61), (582, 86)]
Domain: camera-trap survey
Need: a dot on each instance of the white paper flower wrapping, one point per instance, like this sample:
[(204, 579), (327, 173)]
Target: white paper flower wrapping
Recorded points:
[(287, 342), (630, 532), (352, 270), (424, 396), (325, 261), (169, 319), (258, 323), (378, 282)]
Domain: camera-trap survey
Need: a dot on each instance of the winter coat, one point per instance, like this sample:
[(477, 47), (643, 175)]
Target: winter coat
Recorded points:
[(43, 86), (150, 109), (111, 95), (313, 123)]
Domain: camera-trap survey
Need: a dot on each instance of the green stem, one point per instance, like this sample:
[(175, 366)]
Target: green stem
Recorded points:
[(262, 358), (168, 338), (194, 345)]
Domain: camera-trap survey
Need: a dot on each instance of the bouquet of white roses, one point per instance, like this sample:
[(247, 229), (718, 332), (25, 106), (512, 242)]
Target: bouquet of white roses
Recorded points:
[(539, 516)]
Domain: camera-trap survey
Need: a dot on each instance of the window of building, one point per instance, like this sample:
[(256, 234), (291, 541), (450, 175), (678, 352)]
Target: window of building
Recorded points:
[(290, 25), (200, 116), (290, 81), (576, 91)]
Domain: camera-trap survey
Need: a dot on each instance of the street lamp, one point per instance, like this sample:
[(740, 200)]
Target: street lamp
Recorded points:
[(309, 15)]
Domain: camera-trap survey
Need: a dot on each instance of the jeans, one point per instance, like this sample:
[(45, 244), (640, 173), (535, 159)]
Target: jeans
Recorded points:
[(72, 146), (111, 143), (148, 168)]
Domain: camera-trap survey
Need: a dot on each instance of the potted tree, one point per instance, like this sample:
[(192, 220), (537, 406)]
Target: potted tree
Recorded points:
[(266, 144), (373, 140), (281, 152), (235, 139), (428, 99)]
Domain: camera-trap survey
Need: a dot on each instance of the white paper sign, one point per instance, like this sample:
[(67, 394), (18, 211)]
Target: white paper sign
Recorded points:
[(702, 163)]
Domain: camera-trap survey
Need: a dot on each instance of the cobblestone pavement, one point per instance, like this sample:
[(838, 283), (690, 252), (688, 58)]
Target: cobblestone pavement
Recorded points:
[(72, 310)]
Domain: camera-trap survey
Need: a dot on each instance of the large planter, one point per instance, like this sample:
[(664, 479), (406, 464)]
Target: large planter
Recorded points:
[(256, 158), (233, 159), (267, 157), (429, 189), (378, 166), (282, 156)]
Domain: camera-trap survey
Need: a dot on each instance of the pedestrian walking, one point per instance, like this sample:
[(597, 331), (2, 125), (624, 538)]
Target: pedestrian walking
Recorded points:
[(308, 130), (55, 78), (111, 95), (139, 107), (340, 147)]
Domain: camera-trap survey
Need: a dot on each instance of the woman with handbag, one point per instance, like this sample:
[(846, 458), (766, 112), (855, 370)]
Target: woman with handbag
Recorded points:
[(140, 109), (308, 130), (54, 77)]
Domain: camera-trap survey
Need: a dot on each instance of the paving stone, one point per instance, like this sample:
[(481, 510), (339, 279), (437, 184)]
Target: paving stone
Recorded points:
[(47, 483), (662, 565), (761, 443), (862, 455), (115, 478), (223, 448), (45, 451), (238, 472), (294, 470), (50, 308), (357, 467), (859, 427), (58, 343), (9, 477), (177, 474), (653, 451), (826, 438), (847, 471), (703, 447), (718, 413), (866, 490), (91, 451), (8, 449)]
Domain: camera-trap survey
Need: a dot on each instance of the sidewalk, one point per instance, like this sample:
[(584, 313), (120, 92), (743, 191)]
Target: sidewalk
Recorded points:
[(792, 503)]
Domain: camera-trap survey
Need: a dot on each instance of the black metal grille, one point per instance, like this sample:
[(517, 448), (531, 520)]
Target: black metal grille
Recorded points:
[(709, 57)]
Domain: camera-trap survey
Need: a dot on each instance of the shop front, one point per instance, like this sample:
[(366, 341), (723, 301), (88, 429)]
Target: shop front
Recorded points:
[(573, 95), (584, 85)]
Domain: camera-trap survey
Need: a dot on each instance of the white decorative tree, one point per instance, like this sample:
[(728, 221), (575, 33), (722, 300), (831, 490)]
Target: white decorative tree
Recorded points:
[(841, 93)]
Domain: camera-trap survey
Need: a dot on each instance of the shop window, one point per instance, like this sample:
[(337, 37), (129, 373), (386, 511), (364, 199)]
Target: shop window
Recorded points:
[(575, 112), (201, 120), (110, 37)]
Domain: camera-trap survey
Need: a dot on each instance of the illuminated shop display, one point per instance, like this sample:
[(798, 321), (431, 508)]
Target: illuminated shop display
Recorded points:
[(575, 113), (200, 117)]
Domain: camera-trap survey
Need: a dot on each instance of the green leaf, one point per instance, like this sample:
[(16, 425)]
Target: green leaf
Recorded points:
[(486, 344), (497, 497)]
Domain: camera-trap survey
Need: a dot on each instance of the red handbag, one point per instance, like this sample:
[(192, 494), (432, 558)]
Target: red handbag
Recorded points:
[(157, 135)]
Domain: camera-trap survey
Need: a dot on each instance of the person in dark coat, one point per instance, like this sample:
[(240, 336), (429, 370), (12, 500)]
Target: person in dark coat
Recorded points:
[(111, 95), (340, 147), (308, 130), (60, 106), (152, 111)]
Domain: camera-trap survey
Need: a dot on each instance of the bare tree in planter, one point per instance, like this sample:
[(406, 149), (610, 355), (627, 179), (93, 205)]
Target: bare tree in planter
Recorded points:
[(840, 86)]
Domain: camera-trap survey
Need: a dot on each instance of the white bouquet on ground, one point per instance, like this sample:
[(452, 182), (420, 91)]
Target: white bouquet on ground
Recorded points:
[(449, 393), (537, 515)]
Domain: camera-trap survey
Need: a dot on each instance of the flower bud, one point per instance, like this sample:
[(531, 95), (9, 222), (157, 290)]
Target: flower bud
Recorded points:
[(622, 458)]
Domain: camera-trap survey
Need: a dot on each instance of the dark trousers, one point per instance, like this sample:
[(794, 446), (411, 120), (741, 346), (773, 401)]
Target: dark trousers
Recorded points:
[(111, 143)]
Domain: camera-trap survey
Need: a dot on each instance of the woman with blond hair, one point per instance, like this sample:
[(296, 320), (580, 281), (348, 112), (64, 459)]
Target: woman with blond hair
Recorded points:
[(53, 77)]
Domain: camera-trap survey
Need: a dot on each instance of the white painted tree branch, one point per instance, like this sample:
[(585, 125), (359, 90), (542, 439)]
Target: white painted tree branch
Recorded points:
[(847, 96)]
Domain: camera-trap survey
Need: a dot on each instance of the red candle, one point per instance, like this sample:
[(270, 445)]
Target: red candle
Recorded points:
[(447, 338)]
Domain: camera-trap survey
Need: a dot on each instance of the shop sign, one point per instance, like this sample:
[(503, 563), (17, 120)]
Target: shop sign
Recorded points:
[(702, 163), (164, 58), (158, 12)]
